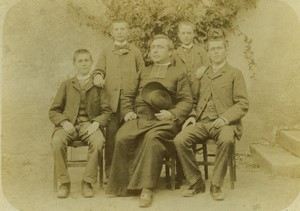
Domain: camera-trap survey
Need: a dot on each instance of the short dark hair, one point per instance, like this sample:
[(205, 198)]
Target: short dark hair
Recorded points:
[(163, 36), (81, 51), (216, 34), (187, 23), (119, 21)]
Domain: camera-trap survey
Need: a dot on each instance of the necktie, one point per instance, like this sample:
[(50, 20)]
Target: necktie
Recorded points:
[(119, 47)]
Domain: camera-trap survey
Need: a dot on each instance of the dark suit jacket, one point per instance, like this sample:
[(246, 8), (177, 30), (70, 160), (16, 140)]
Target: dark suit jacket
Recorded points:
[(66, 103), (199, 58), (229, 93), (119, 70)]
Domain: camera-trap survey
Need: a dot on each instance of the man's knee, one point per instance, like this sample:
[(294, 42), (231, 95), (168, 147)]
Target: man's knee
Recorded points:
[(97, 140), (226, 136), (59, 140), (183, 140), (152, 142), (180, 140)]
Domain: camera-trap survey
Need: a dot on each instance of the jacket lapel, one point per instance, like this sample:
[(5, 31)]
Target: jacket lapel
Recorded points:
[(180, 53), (75, 83), (77, 86), (196, 52), (89, 84), (213, 75)]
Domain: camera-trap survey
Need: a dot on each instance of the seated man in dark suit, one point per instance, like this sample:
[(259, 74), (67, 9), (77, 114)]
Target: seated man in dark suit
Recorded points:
[(220, 103), (79, 110)]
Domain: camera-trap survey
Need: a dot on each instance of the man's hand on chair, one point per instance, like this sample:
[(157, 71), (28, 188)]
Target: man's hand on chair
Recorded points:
[(190, 120), (68, 127)]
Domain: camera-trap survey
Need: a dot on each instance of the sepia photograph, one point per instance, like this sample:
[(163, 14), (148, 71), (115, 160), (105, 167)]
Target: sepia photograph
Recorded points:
[(165, 105)]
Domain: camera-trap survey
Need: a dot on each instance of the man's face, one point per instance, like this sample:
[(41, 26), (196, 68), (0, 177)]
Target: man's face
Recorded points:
[(159, 51), (186, 34), (217, 51), (83, 63), (120, 31)]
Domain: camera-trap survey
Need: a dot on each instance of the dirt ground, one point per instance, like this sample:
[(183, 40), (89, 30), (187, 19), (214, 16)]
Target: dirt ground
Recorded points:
[(28, 185)]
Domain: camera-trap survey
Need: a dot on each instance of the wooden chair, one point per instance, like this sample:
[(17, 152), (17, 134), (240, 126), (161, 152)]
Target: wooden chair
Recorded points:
[(170, 164), (71, 162), (205, 162)]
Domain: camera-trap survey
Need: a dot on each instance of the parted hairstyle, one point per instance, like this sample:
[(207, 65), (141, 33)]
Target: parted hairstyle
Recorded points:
[(163, 36), (81, 51)]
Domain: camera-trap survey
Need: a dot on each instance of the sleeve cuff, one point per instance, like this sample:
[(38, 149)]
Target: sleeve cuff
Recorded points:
[(226, 121)]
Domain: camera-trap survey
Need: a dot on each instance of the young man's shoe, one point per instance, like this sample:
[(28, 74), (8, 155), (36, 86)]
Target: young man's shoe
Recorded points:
[(146, 197), (86, 189), (216, 193), (63, 190), (193, 190)]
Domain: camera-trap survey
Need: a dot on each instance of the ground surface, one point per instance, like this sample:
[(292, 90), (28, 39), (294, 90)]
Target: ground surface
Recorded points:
[(28, 185)]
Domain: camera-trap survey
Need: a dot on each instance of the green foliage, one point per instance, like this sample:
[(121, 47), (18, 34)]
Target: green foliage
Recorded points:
[(150, 17)]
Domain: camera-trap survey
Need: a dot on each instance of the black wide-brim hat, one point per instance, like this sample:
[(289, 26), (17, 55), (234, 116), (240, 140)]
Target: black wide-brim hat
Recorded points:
[(157, 95)]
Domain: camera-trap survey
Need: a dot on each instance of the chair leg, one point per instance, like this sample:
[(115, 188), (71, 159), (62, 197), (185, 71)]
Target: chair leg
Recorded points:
[(101, 166), (173, 172), (54, 178), (204, 148), (232, 167)]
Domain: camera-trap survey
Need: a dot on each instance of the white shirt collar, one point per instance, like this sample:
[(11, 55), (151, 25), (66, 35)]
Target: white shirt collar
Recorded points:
[(120, 43), (188, 46), (162, 65), (216, 68), (83, 78)]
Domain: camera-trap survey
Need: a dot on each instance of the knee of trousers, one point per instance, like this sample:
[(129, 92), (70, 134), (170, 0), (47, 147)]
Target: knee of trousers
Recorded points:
[(226, 137), (58, 142), (226, 141), (96, 142), (181, 141)]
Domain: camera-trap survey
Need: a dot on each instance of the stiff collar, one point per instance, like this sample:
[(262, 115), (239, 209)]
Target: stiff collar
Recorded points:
[(120, 43), (216, 68), (83, 78), (162, 65), (187, 46)]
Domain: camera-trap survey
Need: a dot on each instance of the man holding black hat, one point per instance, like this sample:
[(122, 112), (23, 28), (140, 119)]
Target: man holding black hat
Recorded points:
[(153, 109)]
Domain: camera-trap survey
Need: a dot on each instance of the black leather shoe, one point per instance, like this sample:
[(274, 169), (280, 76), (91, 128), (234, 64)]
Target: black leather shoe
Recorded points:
[(198, 187), (216, 193), (63, 190), (86, 189), (146, 197)]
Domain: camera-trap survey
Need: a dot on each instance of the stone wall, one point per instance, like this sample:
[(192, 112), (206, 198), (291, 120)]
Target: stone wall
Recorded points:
[(39, 38)]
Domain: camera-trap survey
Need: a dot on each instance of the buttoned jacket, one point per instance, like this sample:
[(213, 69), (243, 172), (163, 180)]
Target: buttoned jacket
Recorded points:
[(66, 103), (199, 59), (229, 93), (119, 68)]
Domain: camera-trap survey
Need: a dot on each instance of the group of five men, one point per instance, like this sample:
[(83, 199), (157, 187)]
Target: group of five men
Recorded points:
[(184, 98)]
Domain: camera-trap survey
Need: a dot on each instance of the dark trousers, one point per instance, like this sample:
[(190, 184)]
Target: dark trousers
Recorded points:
[(199, 133), (59, 142), (111, 131)]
